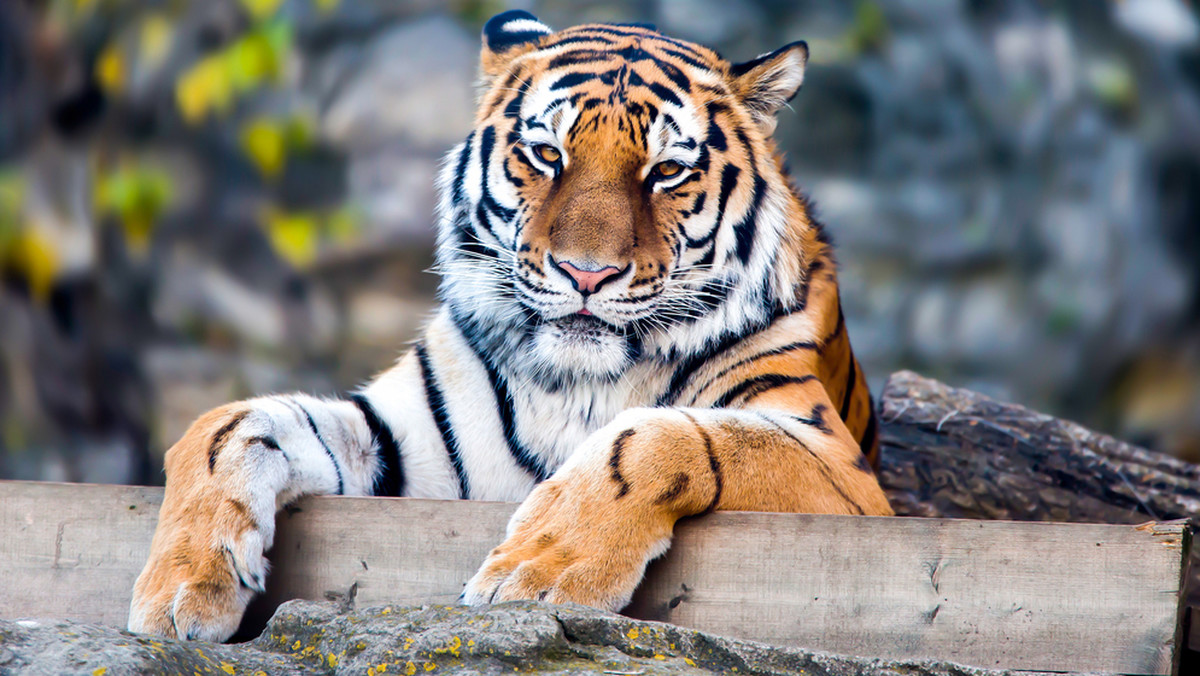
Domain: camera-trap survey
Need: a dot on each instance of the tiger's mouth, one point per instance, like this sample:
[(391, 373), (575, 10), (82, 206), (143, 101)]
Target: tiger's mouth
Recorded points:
[(584, 326)]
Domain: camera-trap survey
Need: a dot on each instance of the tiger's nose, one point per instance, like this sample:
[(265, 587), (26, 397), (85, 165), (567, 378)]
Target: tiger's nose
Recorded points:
[(586, 281)]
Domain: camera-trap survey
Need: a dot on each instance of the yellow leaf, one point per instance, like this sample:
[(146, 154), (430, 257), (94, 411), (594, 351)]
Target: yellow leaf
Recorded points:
[(206, 87), (248, 62), (299, 131), (328, 5), (12, 199), (261, 9), (137, 196), (35, 257), (293, 237), (155, 39), (263, 141), (344, 226), (110, 70), (278, 35)]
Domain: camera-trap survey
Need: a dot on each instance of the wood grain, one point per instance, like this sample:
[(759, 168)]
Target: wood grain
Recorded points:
[(950, 452), (1033, 596)]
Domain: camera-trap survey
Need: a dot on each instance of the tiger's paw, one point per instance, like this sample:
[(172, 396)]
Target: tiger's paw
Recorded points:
[(566, 547), (207, 558), (193, 591)]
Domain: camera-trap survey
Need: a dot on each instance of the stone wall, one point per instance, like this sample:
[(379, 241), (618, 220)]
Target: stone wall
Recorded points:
[(204, 201)]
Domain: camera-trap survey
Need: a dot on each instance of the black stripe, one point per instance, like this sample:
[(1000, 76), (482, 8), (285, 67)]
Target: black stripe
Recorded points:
[(513, 109), (573, 79), (269, 442), (713, 463), (695, 63), (805, 286), (575, 56), (748, 227), (676, 76), (798, 345), (614, 463), (685, 370), (487, 142), (577, 39), (868, 440), (469, 242), (437, 406), (390, 482), (218, 439), (851, 384), (656, 37), (756, 386), (816, 419), (460, 171), (837, 329), (820, 461), (716, 136), (665, 93), (312, 425), (688, 368), (504, 405), (729, 177)]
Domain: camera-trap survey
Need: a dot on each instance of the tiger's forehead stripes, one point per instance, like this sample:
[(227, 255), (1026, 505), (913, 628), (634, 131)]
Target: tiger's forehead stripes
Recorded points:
[(667, 67)]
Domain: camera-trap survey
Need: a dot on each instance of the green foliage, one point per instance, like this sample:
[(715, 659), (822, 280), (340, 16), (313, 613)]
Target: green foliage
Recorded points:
[(137, 196), (1113, 83), (268, 141), (869, 31), (297, 237), (477, 12), (252, 61), (25, 250)]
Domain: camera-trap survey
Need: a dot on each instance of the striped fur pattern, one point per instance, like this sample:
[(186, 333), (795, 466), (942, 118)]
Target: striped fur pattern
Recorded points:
[(640, 321)]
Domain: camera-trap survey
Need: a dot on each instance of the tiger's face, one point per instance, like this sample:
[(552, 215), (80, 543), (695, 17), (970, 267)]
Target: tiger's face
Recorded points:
[(615, 188)]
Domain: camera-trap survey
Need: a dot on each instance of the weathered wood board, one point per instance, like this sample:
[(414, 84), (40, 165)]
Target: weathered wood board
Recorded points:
[(1033, 596)]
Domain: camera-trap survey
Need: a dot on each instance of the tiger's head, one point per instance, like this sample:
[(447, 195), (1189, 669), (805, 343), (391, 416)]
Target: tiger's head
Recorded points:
[(619, 197)]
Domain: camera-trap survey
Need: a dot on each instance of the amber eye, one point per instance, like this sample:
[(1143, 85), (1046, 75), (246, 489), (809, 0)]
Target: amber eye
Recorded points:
[(548, 154), (668, 169)]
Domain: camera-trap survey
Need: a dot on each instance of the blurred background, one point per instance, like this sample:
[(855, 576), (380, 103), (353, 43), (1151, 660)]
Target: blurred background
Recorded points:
[(204, 200)]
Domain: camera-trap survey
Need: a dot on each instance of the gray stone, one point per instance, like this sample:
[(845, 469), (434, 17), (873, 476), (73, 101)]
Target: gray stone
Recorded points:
[(312, 638), (62, 647), (412, 82)]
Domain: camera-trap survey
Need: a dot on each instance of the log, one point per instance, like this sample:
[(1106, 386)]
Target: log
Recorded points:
[(953, 453)]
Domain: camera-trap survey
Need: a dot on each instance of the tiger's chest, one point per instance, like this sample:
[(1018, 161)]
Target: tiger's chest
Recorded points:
[(553, 423)]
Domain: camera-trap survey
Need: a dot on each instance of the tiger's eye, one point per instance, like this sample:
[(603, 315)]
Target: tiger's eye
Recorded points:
[(668, 169), (547, 153)]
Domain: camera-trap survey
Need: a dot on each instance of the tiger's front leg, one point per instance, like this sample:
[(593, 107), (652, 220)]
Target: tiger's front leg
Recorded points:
[(234, 467), (587, 534)]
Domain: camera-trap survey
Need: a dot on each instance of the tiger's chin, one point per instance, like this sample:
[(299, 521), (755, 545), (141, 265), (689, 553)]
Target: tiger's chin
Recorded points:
[(580, 347)]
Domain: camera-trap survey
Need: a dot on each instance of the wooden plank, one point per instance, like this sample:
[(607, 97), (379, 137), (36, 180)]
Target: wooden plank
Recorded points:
[(1033, 596), (73, 551)]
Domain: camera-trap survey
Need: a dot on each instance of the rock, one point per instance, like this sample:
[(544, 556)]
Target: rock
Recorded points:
[(412, 82), (62, 647), (313, 638)]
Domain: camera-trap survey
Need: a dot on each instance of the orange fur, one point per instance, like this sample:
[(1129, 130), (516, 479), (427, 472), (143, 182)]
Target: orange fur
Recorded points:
[(189, 582)]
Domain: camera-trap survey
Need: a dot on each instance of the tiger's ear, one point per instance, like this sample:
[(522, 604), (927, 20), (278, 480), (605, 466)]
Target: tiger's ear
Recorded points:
[(507, 36), (766, 83)]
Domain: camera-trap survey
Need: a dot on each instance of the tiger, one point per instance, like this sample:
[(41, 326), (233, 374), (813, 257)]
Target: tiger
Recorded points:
[(639, 321)]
